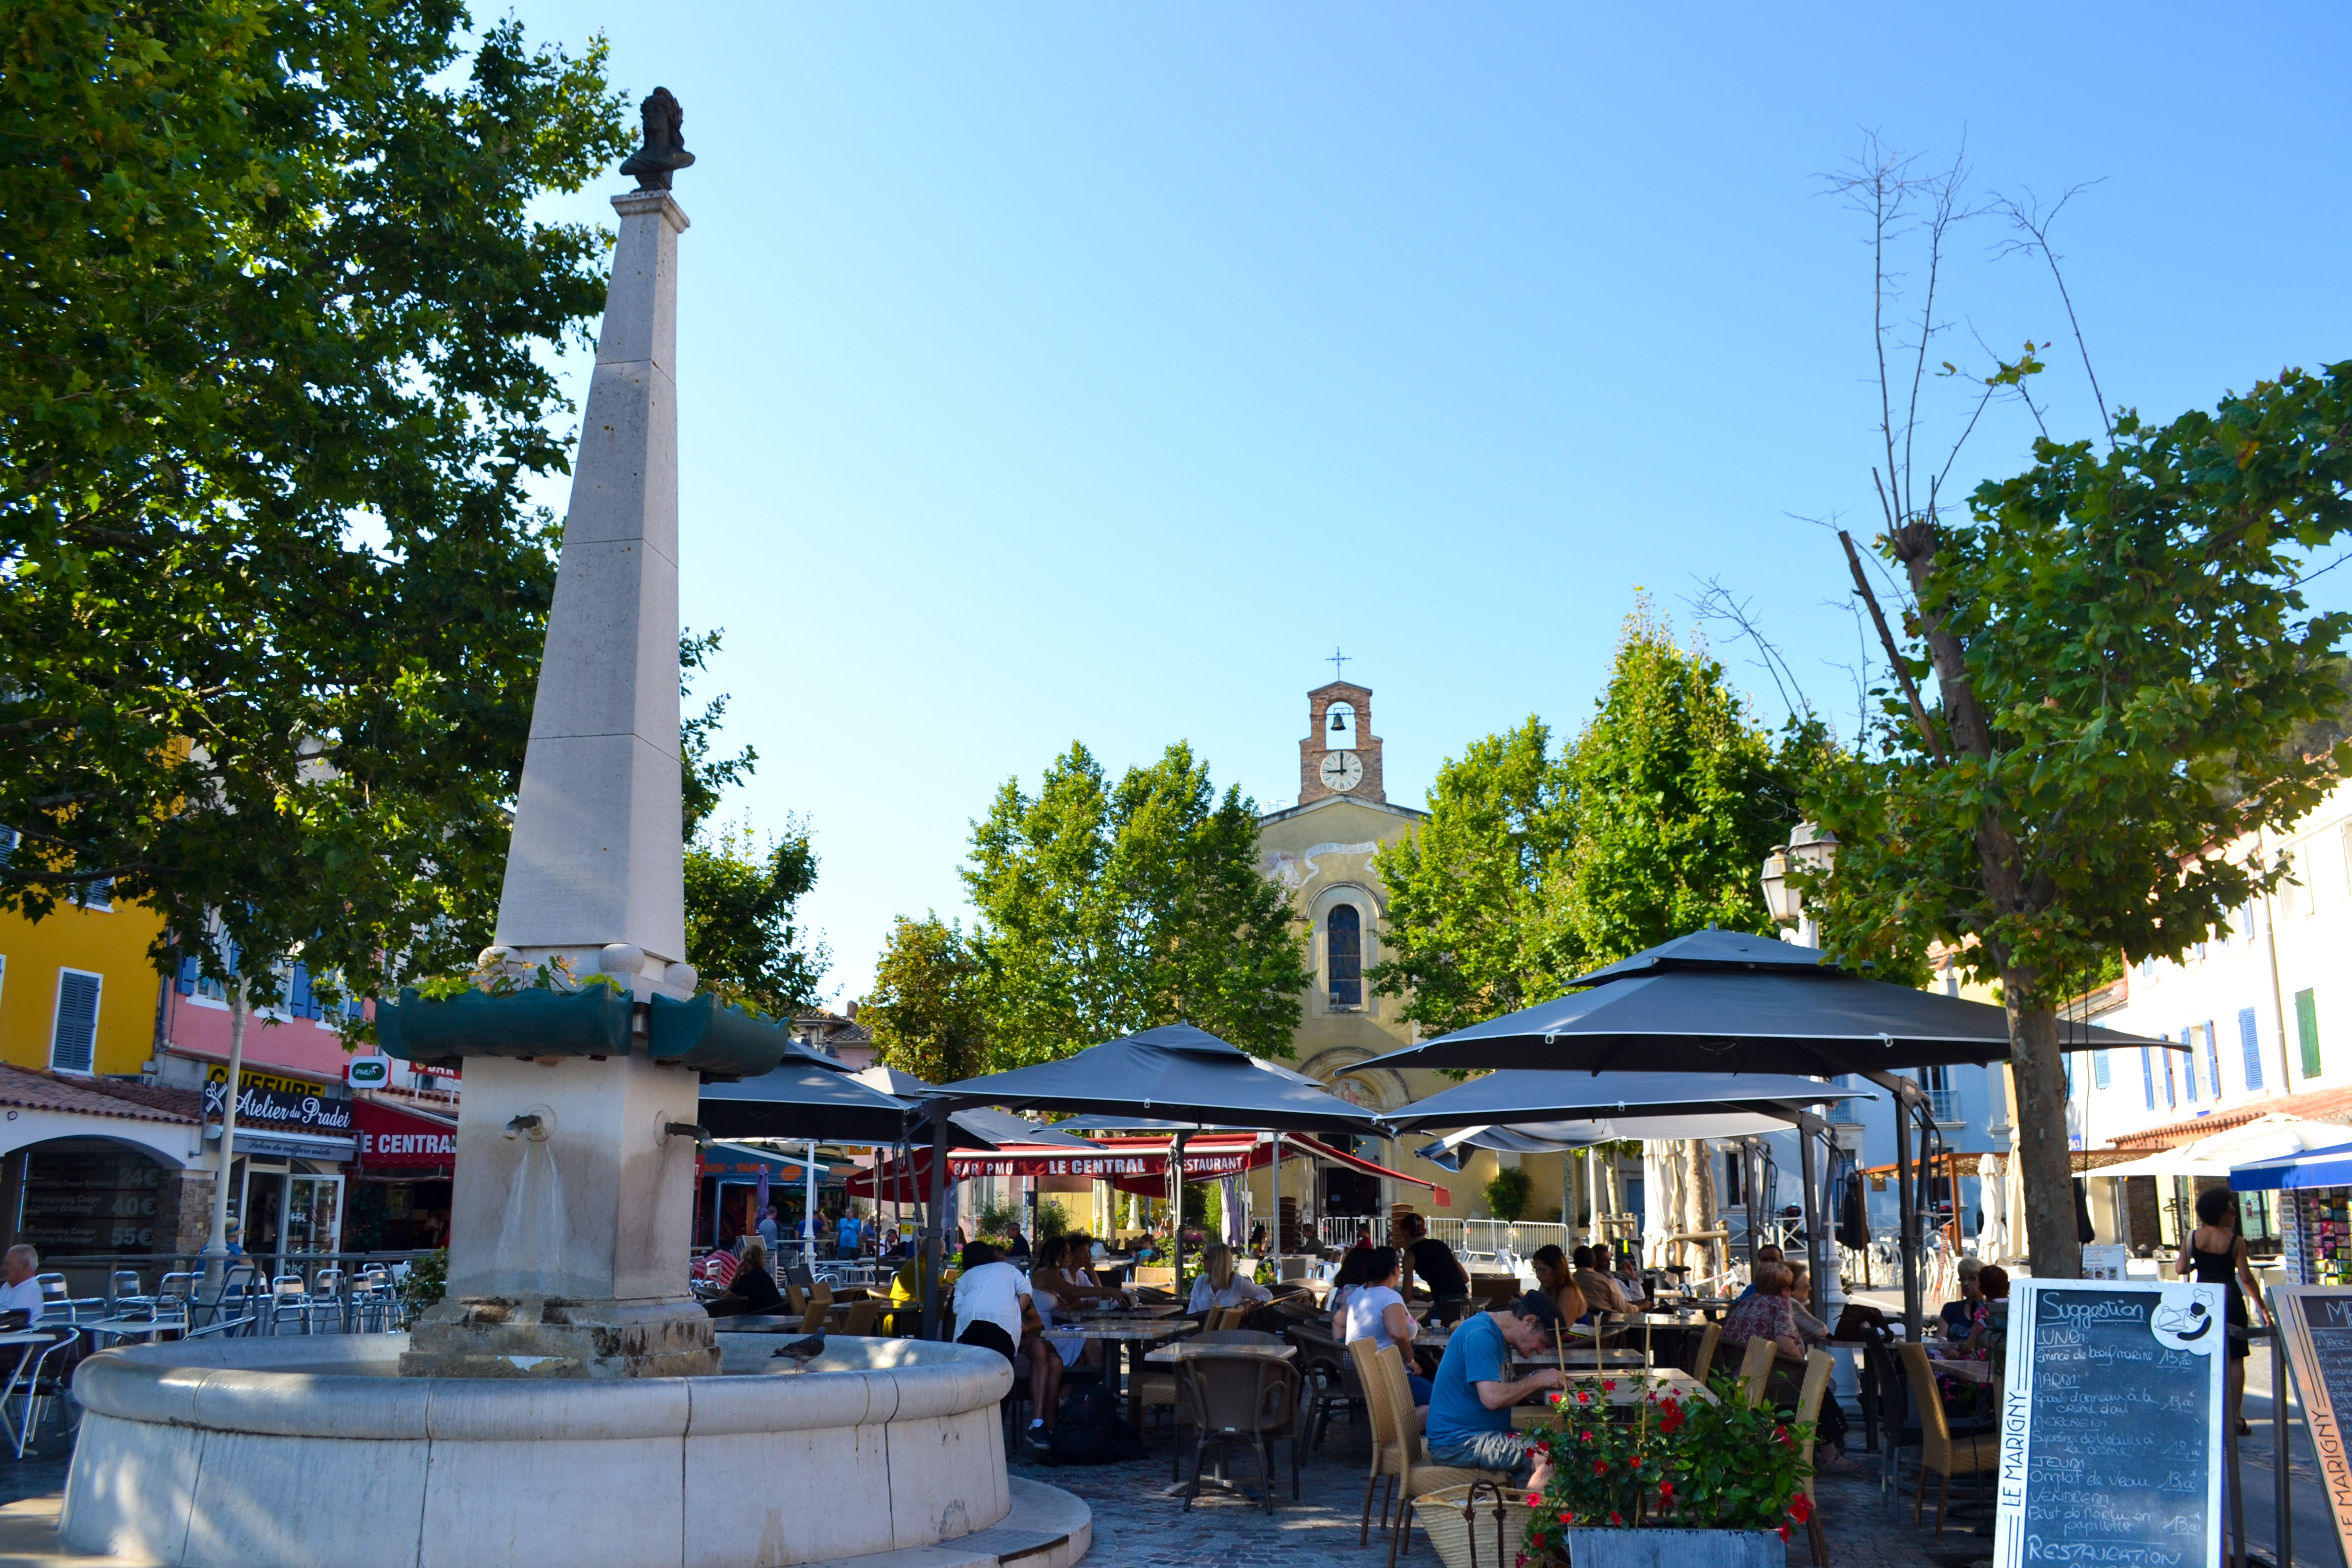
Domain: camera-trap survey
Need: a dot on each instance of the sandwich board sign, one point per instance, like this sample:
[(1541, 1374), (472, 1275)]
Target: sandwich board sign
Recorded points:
[(2316, 1322), (2111, 1442)]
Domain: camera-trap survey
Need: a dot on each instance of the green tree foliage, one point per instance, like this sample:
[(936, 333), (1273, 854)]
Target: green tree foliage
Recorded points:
[(2123, 663), (1470, 916), (1509, 1192), (741, 901), (1535, 866), (927, 1010), (1678, 794), (1107, 908), (278, 323)]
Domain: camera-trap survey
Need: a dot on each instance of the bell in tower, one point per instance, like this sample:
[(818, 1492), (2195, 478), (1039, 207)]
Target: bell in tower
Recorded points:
[(1341, 755)]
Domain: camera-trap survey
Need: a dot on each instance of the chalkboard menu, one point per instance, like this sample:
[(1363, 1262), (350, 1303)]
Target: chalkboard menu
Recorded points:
[(2316, 1320), (2111, 1424)]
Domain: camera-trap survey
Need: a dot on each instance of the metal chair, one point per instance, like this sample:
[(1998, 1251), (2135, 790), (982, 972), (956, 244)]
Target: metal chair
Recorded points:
[(1330, 1379), (328, 1302), (124, 1286), (289, 1298), (44, 1382)]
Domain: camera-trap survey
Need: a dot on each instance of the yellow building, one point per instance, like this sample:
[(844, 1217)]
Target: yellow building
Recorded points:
[(78, 993), (1320, 852)]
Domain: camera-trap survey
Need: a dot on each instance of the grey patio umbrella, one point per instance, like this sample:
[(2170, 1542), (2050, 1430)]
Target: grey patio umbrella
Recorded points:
[(1721, 1001), (1717, 1001), (1177, 1073), (1569, 1137), (977, 1126), (1513, 1098), (803, 1099)]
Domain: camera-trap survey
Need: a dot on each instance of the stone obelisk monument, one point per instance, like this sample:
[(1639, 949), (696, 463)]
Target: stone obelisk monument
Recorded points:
[(574, 1201)]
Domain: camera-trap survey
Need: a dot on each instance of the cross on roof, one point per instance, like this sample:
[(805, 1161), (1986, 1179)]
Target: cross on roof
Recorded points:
[(1337, 660)]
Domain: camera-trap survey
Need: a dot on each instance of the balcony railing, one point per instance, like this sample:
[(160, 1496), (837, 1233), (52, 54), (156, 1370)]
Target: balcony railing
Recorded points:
[(1943, 1104)]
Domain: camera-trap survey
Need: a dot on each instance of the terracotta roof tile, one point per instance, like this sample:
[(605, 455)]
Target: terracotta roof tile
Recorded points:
[(2319, 1105), (93, 1097)]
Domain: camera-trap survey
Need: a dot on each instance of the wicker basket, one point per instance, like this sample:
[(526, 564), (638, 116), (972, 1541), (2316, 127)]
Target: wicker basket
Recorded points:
[(1461, 1523)]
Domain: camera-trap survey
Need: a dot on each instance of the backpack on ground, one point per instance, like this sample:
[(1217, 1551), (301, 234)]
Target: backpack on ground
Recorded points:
[(1089, 1431)]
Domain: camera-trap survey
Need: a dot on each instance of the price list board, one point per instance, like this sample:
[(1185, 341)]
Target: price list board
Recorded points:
[(2111, 1443), (2316, 1320)]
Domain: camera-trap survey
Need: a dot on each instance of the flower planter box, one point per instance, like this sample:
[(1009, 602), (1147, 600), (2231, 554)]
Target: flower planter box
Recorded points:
[(720, 1041), (593, 1022), (1676, 1548)]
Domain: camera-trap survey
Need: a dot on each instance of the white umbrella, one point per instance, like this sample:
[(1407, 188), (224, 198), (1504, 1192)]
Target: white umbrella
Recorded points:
[(1661, 1193), (1992, 1199)]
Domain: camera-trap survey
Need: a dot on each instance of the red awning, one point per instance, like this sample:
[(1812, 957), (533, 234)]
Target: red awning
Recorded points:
[(1137, 1165), (391, 1136)]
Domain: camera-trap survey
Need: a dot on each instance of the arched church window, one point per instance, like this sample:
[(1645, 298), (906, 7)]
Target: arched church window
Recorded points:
[(1344, 940), (1340, 727)]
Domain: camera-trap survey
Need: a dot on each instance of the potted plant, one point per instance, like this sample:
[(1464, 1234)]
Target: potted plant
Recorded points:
[(1695, 1484)]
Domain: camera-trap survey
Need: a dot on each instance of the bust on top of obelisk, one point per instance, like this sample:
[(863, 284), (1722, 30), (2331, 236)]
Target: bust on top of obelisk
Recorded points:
[(595, 874), (573, 1197)]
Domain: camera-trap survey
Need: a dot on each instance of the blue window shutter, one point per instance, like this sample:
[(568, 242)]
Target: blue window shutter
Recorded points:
[(298, 994), (186, 984), (2147, 1075), (2213, 1058), (2251, 1037), (2102, 1073), (2171, 1089), (73, 1041), (2187, 1063)]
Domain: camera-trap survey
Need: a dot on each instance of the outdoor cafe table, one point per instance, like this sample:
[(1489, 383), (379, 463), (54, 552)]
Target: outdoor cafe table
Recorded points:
[(1629, 1392), (1192, 1350), (1124, 1332)]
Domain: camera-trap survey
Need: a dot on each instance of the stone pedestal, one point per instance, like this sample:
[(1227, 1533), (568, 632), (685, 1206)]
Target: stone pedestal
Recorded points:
[(570, 1218)]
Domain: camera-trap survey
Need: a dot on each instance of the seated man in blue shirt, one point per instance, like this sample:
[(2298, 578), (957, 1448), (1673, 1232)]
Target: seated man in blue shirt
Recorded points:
[(1471, 1398)]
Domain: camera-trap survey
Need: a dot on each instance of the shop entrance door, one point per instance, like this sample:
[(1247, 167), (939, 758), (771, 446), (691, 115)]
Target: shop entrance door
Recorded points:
[(314, 1213), (261, 1216)]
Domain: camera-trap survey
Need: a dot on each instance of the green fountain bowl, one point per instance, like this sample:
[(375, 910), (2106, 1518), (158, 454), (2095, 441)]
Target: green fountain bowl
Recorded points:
[(593, 1022)]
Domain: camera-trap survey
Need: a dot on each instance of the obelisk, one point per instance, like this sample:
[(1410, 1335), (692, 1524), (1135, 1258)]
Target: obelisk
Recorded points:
[(573, 1204)]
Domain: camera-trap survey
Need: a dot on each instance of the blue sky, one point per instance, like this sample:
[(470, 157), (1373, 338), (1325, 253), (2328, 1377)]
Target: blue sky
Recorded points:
[(1089, 372)]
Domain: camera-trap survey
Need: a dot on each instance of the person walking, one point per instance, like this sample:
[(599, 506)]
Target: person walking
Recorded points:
[(767, 1228), (2215, 1253)]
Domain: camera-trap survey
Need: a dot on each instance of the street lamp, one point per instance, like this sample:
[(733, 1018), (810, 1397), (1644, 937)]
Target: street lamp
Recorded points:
[(1810, 848)]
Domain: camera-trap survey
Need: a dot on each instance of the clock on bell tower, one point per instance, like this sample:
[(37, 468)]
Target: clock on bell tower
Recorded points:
[(1341, 755)]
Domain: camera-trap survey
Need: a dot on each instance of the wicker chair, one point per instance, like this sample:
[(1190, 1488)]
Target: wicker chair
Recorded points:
[(1399, 1452), (1818, 1364), (1702, 1361), (820, 1302), (862, 1315), (1241, 1399), (1755, 1368), (1938, 1449)]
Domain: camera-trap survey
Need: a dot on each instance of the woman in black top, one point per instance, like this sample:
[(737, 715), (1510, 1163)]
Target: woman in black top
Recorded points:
[(752, 1291), (2215, 1253), (1431, 1261)]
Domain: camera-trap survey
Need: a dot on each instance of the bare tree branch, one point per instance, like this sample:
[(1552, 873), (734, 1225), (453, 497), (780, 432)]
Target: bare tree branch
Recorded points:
[(1893, 654), (2028, 215)]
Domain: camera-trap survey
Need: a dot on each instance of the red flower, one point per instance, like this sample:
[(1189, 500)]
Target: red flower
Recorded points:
[(1555, 1399), (1567, 1519), (1535, 1499), (1608, 1383), (1585, 1436), (1599, 1467), (1584, 1396), (1784, 1532), (1780, 1435), (1666, 1492), (1800, 1508), (1616, 1517)]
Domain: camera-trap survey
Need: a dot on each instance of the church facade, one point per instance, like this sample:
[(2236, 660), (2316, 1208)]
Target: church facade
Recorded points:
[(1320, 851)]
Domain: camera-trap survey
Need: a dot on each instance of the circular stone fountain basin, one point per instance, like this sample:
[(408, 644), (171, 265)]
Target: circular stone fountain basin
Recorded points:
[(300, 1450)]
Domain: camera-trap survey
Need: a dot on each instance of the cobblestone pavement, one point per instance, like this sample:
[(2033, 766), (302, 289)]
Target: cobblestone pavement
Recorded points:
[(1141, 1520)]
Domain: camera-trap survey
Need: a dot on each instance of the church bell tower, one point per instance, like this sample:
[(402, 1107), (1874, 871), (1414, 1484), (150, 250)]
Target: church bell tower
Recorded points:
[(1341, 755)]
